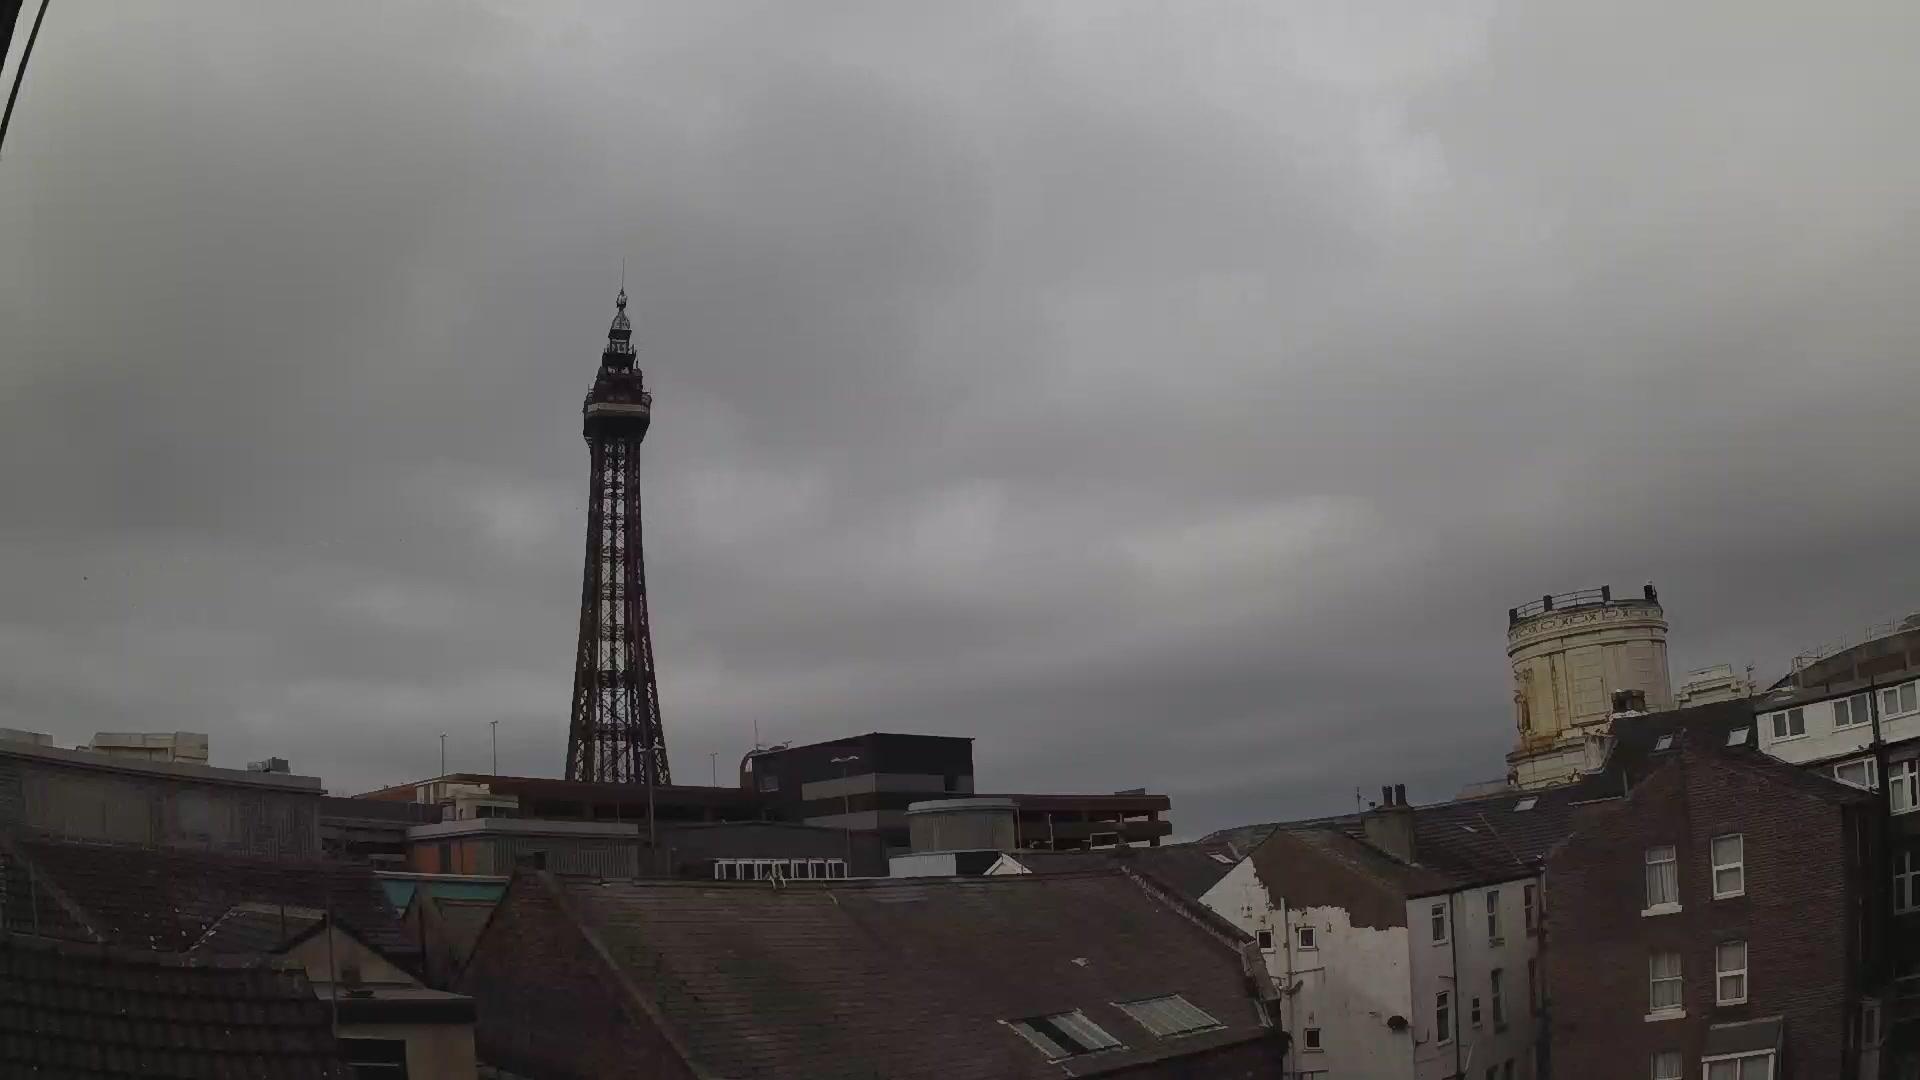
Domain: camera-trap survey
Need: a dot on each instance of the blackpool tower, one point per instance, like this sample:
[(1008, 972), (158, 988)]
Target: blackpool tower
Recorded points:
[(615, 735)]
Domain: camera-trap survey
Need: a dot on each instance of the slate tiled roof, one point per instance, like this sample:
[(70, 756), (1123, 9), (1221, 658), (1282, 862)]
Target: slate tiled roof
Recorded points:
[(1466, 841), (1187, 869), (911, 978), (1490, 838), (166, 899), (73, 1011)]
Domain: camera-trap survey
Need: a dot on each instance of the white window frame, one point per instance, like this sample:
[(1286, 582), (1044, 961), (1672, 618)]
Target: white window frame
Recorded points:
[(1306, 938), (1790, 724), (1473, 1011), (1903, 785), (1678, 978), (1707, 1064), (1901, 696), (1493, 917), (1264, 939), (1439, 925), (1311, 1040), (1678, 1069), (1662, 907), (1530, 906), (1497, 999), (1738, 864), (1855, 708), (1722, 974), (1442, 1018), (1169, 1016), (1074, 1024), (1906, 871), (1867, 773)]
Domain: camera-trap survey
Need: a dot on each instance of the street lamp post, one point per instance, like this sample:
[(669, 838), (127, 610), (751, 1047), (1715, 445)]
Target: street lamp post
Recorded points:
[(443, 753), (846, 803), (495, 724)]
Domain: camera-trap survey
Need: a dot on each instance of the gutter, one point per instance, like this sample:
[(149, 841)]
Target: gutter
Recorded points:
[(1453, 1013)]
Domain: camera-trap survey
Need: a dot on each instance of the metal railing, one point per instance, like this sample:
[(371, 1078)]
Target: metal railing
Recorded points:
[(1578, 598)]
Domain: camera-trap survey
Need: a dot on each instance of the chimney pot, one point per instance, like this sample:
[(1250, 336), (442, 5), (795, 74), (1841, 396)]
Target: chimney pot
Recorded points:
[(1386, 794), (1399, 794)]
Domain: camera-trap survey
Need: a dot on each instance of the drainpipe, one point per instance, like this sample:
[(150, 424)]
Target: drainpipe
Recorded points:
[(1286, 985), (1454, 999), (1885, 805)]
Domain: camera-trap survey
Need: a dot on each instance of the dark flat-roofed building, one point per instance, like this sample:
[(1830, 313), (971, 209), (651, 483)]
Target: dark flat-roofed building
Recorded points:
[(576, 800), (1076, 974), (86, 795), (863, 783)]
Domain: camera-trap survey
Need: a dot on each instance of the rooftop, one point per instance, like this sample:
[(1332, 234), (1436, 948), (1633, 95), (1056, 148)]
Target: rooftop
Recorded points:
[(174, 770), (75, 1010), (1188, 869), (908, 978), (168, 899), (1579, 598), (1463, 842)]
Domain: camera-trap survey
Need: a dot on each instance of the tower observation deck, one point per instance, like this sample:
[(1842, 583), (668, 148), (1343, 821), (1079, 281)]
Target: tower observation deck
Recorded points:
[(614, 734)]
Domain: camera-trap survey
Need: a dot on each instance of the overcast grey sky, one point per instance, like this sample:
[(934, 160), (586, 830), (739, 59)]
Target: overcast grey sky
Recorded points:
[(1169, 394)]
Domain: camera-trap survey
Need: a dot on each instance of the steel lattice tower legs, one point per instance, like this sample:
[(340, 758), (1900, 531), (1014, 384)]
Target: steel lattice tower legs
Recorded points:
[(615, 735)]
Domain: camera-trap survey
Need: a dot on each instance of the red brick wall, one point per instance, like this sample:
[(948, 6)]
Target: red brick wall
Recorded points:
[(546, 1004), (1793, 918)]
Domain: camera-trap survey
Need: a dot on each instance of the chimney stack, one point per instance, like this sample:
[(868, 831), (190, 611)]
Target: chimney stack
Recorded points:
[(1389, 826)]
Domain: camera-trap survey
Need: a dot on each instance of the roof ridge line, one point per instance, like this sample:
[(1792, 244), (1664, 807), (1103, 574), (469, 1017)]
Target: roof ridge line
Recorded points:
[(1211, 922), (588, 931)]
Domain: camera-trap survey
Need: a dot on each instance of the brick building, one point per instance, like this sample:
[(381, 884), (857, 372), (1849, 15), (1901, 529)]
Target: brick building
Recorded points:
[(1026, 976), (1719, 918)]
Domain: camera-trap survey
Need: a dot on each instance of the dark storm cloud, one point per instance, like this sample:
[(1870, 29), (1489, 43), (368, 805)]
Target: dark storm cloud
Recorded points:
[(1160, 395)]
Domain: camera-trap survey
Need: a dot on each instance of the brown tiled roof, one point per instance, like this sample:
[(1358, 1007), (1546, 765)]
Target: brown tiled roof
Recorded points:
[(1188, 869), (1325, 867), (168, 898), (912, 978), (74, 1011)]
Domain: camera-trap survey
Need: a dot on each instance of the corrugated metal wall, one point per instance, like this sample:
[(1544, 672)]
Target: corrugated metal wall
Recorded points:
[(565, 855), (87, 804)]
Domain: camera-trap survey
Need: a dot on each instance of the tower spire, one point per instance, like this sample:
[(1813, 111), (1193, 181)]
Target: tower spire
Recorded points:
[(619, 352), (614, 734)]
